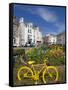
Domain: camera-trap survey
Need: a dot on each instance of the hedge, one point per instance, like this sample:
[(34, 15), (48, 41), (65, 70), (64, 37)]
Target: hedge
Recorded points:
[(18, 51)]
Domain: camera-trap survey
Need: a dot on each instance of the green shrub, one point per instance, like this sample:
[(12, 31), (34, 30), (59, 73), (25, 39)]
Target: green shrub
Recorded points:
[(56, 61), (56, 55), (18, 51), (44, 47), (36, 54)]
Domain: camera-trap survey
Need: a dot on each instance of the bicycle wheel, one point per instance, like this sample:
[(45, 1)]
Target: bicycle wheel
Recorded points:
[(50, 75), (24, 73)]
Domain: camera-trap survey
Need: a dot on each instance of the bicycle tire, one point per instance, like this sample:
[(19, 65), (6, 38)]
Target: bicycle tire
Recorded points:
[(46, 71), (24, 68)]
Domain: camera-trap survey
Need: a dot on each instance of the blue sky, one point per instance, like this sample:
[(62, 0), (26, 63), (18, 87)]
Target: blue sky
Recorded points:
[(49, 19)]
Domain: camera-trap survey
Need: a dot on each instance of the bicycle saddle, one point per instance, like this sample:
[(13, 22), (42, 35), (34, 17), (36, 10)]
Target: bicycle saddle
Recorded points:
[(31, 62)]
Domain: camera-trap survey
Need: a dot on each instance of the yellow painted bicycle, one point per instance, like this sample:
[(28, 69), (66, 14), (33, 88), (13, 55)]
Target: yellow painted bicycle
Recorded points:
[(49, 73)]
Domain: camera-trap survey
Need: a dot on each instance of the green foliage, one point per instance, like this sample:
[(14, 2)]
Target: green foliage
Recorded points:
[(44, 47), (56, 61), (54, 53), (36, 54)]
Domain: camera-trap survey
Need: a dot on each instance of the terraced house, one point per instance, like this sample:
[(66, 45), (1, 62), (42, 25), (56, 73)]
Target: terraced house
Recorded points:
[(61, 38), (26, 34), (50, 39)]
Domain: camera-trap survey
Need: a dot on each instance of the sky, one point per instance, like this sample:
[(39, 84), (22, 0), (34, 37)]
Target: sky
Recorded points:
[(49, 19)]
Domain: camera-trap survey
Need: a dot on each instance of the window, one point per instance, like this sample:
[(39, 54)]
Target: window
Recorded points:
[(14, 40), (29, 36), (29, 39), (29, 30)]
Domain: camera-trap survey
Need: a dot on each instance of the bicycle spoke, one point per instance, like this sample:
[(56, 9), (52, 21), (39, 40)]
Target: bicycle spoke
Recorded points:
[(50, 75), (25, 75)]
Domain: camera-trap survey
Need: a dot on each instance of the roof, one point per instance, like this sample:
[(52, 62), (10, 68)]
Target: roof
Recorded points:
[(15, 21), (61, 33), (50, 35)]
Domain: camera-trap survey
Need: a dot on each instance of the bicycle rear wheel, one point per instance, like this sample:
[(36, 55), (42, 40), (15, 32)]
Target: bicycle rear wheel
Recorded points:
[(50, 75), (24, 74)]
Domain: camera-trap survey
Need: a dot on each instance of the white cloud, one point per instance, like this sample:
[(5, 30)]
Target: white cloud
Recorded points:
[(51, 17), (47, 15)]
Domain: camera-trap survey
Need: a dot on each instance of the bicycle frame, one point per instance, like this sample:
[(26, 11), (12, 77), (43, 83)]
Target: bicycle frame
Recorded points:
[(36, 73), (44, 66)]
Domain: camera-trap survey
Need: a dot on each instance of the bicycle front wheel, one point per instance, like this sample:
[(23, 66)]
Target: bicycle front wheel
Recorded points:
[(50, 75), (24, 73)]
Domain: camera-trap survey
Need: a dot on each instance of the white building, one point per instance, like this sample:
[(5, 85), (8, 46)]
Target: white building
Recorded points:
[(15, 32), (27, 34), (50, 39), (61, 38), (37, 36)]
